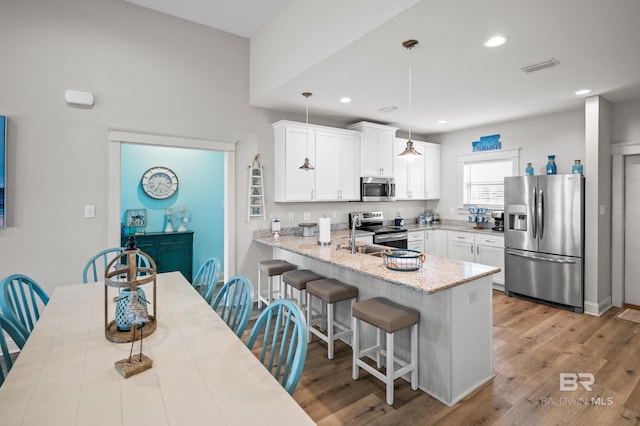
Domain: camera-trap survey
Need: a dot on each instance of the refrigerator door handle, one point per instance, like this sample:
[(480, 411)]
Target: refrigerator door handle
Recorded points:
[(535, 213), (546, 259), (541, 213)]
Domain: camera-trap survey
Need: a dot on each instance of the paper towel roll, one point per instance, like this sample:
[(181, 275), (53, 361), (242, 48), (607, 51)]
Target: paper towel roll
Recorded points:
[(324, 234)]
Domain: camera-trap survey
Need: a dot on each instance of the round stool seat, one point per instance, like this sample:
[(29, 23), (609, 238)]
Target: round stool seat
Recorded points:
[(298, 278), (385, 314), (331, 290), (276, 267)]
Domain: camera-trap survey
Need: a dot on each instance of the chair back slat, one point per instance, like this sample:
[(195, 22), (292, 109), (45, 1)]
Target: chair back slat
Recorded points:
[(284, 341), (96, 266), (20, 300), (205, 279), (10, 328), (234, 303)]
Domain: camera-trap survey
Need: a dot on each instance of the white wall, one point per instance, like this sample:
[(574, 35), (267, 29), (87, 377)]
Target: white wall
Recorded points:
[(147, 71), (561, 134), (625, 122)]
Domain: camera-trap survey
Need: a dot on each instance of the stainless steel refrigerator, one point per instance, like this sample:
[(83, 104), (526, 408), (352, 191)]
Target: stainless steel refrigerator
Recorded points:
[(544, 238)]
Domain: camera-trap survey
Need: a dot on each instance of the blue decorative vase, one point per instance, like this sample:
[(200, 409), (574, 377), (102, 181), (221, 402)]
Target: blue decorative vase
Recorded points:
[(551, 165), (577, 168), (123, 300), (529, 170)]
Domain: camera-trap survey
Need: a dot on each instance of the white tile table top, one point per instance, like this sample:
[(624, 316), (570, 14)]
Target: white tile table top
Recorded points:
[(202, 373)]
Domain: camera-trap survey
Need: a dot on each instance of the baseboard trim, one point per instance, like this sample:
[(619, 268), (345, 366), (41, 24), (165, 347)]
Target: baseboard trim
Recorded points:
[(597, 309)]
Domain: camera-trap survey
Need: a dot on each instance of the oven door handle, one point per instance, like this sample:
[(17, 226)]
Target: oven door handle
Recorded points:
[(391, 237)]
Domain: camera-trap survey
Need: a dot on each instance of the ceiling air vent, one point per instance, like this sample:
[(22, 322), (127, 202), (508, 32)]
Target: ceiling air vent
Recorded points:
[(540, 66)]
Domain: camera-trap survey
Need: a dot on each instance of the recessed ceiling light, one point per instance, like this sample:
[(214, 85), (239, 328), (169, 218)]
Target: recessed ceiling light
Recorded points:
[(442, 121), (345, 100), (583, 91), (495, 41)]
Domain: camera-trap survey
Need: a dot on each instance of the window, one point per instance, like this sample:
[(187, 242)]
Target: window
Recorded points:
[(481, 177)]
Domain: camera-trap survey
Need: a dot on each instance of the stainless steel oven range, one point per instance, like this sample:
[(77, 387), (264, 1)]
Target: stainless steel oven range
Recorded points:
[(391, 236)]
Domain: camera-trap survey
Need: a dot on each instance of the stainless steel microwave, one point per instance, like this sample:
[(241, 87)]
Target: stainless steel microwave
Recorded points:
[(373, 188)]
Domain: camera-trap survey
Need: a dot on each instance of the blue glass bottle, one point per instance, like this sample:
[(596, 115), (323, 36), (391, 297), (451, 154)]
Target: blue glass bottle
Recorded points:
[(551, 165), (529, 170), (577, 168)]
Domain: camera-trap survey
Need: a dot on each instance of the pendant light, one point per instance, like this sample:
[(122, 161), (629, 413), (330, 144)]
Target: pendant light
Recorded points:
[(307, 165), (409, 152)]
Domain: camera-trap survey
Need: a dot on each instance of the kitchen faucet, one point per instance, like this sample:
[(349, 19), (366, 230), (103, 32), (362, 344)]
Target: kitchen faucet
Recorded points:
[(352, 241)]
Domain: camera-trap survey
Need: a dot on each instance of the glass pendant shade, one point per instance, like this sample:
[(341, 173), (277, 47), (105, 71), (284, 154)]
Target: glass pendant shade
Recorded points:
[(409, 152), (307, 165)]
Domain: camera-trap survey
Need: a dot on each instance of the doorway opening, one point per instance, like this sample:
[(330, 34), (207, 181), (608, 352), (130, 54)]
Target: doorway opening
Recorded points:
[(118, 137)]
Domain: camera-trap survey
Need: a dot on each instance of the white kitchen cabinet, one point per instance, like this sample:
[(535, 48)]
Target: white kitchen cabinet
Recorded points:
[(337, 154), (409, 174), (461, 246), (431, 154), (490, 251), (479, 248), (415, 240), (430, 242), (442, 242), (377, 148), (333, 152), (292, 144)]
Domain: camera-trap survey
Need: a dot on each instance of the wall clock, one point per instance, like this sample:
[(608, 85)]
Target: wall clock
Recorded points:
[(159, 182)]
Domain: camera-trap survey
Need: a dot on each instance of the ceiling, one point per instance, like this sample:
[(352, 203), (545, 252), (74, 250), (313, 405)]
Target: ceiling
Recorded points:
[(454, 77)]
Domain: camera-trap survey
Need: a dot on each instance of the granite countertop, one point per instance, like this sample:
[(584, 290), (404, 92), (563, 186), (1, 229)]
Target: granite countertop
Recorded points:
[(456, 226), (437, 273)]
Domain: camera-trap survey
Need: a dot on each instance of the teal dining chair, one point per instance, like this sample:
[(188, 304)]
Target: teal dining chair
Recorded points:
[(234, 303), (206, 277), (282, 329), (10, 328), (21, 299), (97, 265)]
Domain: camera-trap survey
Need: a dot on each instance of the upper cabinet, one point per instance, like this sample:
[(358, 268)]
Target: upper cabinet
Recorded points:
[(419, 178), (337, 174), (409, 174), (431, 156), (377, 148), (333, 152)]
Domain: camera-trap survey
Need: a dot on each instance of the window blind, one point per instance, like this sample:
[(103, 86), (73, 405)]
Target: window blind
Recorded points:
[(484, 181)]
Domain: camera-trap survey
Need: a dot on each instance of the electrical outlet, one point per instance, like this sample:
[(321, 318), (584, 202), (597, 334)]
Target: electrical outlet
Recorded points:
[(89, 212), (307, 216), (292, 217)]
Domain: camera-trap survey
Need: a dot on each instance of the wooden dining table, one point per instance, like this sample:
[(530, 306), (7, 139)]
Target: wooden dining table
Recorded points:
[(202, 373)]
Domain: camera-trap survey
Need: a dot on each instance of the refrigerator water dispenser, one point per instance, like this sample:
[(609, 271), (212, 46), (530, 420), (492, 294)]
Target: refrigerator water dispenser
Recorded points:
[(517, 217)]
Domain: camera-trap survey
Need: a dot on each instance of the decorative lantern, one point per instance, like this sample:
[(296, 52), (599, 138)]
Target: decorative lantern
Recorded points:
[(124, 273)]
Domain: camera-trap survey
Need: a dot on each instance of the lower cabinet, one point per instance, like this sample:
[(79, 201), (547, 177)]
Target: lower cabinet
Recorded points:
[(441, 243), (170, 251), (479, 248), (415, 241), (430, 242)]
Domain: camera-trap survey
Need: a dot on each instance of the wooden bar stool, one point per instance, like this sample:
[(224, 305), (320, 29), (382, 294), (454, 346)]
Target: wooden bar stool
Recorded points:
[(330, 291), (272, 269), (390, 317), (298, 279)]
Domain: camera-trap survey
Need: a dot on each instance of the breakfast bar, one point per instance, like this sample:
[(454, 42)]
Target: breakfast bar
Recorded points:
[(454, 299)]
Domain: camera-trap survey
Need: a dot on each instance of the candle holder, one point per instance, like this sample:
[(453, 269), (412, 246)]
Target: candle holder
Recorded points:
[(185, 217), (169, 225)]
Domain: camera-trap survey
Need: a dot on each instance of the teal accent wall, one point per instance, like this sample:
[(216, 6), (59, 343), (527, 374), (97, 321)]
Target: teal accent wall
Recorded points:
[(201, 189)]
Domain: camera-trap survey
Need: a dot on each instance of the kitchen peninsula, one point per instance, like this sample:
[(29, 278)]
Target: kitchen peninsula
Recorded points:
[(454, 299)]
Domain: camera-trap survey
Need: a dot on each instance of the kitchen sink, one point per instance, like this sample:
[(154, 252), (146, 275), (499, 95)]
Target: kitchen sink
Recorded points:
[(364, 249)]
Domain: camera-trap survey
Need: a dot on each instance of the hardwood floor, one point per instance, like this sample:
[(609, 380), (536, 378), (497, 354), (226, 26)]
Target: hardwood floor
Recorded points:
[(533, 344)]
